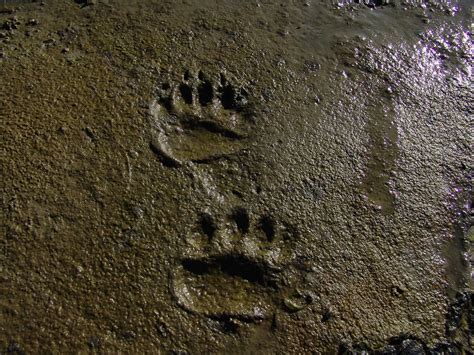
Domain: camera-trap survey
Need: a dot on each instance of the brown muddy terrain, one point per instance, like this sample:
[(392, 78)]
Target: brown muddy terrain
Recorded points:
[(252, 176)]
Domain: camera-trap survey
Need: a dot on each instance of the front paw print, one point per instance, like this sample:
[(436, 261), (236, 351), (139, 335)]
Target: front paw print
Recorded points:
[(199, 120), (235, 269)]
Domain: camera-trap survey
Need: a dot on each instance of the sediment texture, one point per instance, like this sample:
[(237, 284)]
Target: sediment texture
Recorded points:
[(235, 176)]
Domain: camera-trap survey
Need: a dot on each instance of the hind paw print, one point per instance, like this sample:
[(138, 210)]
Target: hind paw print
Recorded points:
[(235, 269), (199, 120)]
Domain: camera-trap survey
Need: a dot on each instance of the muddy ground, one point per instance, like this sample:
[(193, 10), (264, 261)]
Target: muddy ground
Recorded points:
[(252, 176)]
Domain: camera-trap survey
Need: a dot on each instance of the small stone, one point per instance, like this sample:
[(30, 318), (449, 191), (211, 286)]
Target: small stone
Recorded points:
[(312, 66), (410, 346), (178, 352), (32, 22), (13, 347), (85, 3), (326, 315), (129, 335), (398, 290), (137, 212), (65, 50), (9, 26), (7, 11), (89, 133), (94, 342), (49, 42)]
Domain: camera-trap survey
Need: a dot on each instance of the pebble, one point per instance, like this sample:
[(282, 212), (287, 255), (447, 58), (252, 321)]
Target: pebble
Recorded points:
[(9, 25), (138, 212), (32, 22), (49, 42)]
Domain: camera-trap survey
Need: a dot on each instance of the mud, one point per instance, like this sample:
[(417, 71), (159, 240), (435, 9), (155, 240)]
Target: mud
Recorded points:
[(236, 177)]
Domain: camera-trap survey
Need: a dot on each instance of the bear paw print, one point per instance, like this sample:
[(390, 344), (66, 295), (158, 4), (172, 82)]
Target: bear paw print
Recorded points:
[(199, 120), (236, 269)]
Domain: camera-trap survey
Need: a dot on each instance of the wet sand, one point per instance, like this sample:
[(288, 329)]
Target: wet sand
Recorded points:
[(236, 177)]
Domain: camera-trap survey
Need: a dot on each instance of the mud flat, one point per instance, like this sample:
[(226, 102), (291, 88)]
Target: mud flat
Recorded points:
[(236, 177)]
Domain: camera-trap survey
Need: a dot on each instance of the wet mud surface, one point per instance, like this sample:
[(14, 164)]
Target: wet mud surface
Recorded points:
[(236, 177)]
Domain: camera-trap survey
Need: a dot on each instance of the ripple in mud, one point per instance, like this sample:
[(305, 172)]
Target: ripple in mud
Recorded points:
[(235, 271), (199, 120)]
